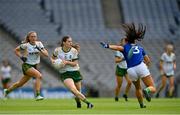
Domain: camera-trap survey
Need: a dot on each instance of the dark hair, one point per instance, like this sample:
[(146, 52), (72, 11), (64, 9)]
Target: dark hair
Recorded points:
[(5, 61), (64, 39), (122, 40), (132, 33)]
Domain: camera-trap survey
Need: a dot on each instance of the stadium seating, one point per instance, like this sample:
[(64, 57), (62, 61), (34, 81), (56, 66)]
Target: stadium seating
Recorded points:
[(26, 16)]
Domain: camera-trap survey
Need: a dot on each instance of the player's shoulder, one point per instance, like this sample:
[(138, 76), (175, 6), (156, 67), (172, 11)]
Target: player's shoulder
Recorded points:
[(74, 49), (126, 46), (38, 42), (25, 43), (139, 46), (58, 49), (164, 54)]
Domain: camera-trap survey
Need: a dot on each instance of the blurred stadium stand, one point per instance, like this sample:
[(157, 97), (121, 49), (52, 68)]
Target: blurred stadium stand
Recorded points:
[(84, 21)]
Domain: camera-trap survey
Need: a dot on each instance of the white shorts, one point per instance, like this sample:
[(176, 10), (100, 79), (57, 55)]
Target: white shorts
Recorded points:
[(138, 71), (169, 72)]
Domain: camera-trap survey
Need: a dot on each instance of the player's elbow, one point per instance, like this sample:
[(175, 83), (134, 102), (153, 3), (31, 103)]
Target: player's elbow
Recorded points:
[(16, 51)]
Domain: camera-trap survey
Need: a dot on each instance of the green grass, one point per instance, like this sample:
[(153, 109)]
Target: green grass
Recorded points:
[(101, 106)]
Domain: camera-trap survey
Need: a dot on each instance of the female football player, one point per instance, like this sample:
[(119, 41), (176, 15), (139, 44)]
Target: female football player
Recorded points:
[(121, 71), (70, 74), (5, 74), (29, 52), (167, 67), (137, 61)]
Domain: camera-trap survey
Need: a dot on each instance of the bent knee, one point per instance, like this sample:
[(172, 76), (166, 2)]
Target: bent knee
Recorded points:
[(39, 76)]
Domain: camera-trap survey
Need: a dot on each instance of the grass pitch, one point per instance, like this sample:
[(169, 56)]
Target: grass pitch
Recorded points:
[(101, 106)]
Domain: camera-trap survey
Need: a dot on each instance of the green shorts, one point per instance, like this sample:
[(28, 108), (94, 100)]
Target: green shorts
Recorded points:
[(26, 66), (5, 80), (75, 75), (120, 71)]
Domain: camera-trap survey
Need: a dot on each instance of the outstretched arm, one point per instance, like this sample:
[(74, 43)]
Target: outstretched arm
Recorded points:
[(116, 47), (112, 47)]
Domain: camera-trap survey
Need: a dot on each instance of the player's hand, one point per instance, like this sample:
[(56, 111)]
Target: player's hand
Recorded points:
[(38, 48), (65, 62), (24, 59), (104, 45)]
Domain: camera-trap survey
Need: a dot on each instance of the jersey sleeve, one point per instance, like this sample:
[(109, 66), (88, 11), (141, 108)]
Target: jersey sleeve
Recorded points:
[(23, 46), (75, 55), (55, 53), (40, 45), (163, 57)]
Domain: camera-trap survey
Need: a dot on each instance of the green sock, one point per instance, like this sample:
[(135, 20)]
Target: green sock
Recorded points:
[(148, 90), (85, 101), (141, 103), (77, 99), (7, 91), (37, 93)]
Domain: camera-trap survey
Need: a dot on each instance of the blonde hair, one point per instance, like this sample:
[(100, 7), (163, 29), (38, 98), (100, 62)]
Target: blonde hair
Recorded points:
[(26, 39), (169, 47)]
